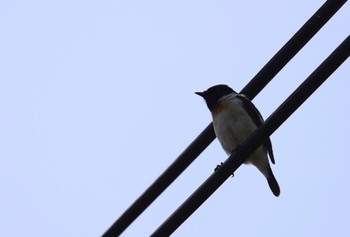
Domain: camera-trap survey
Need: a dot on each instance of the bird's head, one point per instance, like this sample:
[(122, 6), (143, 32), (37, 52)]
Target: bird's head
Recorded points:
[(214, 94)]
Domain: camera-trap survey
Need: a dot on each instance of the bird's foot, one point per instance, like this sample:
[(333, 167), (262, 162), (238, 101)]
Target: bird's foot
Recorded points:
[(219, 166)]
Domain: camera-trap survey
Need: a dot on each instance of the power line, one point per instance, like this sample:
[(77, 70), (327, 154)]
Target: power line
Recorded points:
[(287, 108), (264, 76)]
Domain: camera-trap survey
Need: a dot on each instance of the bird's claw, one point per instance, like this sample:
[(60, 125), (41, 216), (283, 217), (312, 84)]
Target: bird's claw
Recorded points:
[(219, 166)]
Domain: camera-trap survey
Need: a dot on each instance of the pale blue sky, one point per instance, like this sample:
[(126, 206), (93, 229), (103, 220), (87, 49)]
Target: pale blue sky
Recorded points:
[(97, 99)]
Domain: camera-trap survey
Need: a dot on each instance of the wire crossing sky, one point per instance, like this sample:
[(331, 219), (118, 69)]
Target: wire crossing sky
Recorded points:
[(274, 65), (97, 99)]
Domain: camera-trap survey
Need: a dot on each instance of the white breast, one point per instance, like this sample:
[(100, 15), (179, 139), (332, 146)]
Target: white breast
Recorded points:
[(232, 124)]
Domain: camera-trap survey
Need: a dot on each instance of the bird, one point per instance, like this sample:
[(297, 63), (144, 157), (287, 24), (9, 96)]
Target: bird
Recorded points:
[(235, 118)]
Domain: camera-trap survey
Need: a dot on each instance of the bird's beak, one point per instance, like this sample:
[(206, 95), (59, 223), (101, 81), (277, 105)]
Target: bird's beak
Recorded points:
[(200, 93)]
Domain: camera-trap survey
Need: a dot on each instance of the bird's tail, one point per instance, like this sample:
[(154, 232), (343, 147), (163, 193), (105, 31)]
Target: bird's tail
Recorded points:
[(275, 188)]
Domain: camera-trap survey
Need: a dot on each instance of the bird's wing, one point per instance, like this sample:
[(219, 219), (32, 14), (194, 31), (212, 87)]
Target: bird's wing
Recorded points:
[(258, 120)]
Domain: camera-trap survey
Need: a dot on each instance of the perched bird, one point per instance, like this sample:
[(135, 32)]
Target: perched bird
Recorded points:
[(235, 118)]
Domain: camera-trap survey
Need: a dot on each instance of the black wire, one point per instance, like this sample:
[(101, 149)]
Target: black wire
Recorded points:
[(292, 47), (287, 108), (264, 76)]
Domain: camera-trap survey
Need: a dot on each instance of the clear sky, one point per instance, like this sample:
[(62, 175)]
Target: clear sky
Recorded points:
[(97, 99)]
